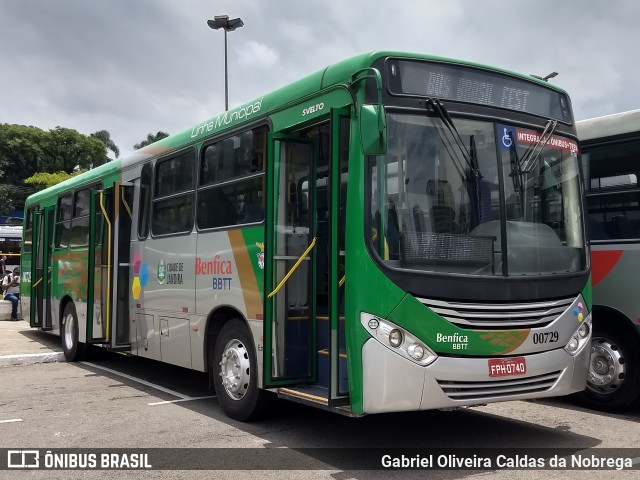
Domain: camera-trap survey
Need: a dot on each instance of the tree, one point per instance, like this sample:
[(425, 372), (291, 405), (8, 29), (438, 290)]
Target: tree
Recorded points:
[(43, 180), (21, 152), (28, 150), (151, 138), (105, 137), (66, 149), (25, 151), (7, 199)]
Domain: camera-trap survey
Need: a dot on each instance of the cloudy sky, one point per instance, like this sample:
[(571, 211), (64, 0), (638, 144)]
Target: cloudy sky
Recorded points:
[(133, 67)]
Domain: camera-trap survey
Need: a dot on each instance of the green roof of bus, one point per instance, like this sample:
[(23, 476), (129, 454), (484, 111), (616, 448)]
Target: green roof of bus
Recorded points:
[(332, 75)]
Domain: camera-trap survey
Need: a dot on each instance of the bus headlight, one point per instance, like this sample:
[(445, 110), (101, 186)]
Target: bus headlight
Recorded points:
[(583, 331), (580, 338), (573, 344), (397, 339), (416, 351)]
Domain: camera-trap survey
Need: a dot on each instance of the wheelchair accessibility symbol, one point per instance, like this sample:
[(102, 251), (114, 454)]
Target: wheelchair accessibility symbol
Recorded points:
[(507, 138)]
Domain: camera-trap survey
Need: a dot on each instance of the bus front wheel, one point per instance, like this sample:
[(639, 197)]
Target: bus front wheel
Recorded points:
[(235, 373), (71, 346), (613, 383)]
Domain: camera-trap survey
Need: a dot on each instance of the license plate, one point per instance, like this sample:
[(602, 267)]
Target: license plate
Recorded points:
[(504, 367)]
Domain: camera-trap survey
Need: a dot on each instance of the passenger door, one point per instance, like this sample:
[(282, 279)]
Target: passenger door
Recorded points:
[(40, 307), (290, 235)]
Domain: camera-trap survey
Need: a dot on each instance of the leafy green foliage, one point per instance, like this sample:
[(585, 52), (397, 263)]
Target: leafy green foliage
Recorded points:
[(66, 149), (7, 196), (26, 151), (151, 138), (105, 137), (42, 180), (21, 152)]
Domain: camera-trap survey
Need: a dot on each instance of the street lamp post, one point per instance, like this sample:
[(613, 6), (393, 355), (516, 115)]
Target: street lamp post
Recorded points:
[(222, 21)]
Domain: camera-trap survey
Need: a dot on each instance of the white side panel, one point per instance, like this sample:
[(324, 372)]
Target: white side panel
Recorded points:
[(147, 337), (175, 344)]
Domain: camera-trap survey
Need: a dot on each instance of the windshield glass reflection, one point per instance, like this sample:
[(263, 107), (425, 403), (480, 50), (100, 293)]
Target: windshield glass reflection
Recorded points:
[(436, 203)]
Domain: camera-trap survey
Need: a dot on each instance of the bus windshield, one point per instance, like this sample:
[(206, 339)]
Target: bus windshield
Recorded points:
[(446, 201)]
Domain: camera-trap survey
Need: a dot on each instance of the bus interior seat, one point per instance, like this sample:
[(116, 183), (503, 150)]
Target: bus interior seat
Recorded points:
[(443, 218)]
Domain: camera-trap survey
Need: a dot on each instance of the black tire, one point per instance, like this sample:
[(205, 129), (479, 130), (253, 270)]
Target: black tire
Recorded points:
[(234, 373), (73, 349), (613, 384)]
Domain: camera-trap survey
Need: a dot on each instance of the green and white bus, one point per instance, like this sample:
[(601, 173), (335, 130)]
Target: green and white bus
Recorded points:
[(395, 232), (610, 147)]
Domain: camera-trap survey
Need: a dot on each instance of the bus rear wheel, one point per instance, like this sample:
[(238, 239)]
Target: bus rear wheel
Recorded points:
[(613, 384), (71, 346), (235, 374)]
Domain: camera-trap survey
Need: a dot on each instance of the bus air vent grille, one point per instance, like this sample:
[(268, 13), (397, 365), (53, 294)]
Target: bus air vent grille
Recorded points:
[(500, 316), (457, 390)]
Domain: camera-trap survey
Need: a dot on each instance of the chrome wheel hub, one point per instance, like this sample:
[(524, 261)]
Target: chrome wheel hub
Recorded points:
[(607, 368), (68, 331), (235, 369)]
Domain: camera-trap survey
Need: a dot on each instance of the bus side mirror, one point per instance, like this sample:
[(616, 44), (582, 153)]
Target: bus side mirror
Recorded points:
[(373, 129)]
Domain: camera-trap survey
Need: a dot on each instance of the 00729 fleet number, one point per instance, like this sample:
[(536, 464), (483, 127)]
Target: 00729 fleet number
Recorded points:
[(545, 337)]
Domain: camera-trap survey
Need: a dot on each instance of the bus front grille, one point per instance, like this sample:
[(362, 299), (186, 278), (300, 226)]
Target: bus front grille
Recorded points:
[(493, 316), (456, 390)]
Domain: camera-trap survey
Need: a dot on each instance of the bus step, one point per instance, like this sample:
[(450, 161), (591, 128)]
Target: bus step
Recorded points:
[(121, 348), (315, 397), (323, 369)]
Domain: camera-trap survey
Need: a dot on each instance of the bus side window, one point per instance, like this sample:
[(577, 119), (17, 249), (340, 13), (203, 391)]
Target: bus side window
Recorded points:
[(231, 188), (63, 224), (173, 194), (145, 198)]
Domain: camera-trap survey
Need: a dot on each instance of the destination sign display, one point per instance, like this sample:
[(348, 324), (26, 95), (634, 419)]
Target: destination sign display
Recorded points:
[(472, 85)]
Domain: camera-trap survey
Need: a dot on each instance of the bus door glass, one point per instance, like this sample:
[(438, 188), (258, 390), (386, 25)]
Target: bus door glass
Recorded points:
[(43, 225), (98, 265), (339, 385), (290, 260), (38, 249), (120, 334), (49, 226)]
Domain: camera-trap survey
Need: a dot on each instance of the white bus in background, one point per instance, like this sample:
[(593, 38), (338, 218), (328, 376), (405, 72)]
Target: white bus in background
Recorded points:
[(610, 155), (10, 240)]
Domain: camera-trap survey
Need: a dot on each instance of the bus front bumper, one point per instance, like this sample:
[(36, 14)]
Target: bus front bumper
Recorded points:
[(392, 383)]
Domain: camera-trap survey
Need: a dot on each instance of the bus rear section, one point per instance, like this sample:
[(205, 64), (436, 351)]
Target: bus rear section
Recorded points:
[(609, 148)]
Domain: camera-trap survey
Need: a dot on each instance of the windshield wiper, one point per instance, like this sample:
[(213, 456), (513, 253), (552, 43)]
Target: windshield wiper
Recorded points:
[(530, 157), (437, 106), (470, 158)]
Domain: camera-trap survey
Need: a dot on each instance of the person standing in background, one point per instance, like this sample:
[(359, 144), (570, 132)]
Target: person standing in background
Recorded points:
[(11, 289)]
